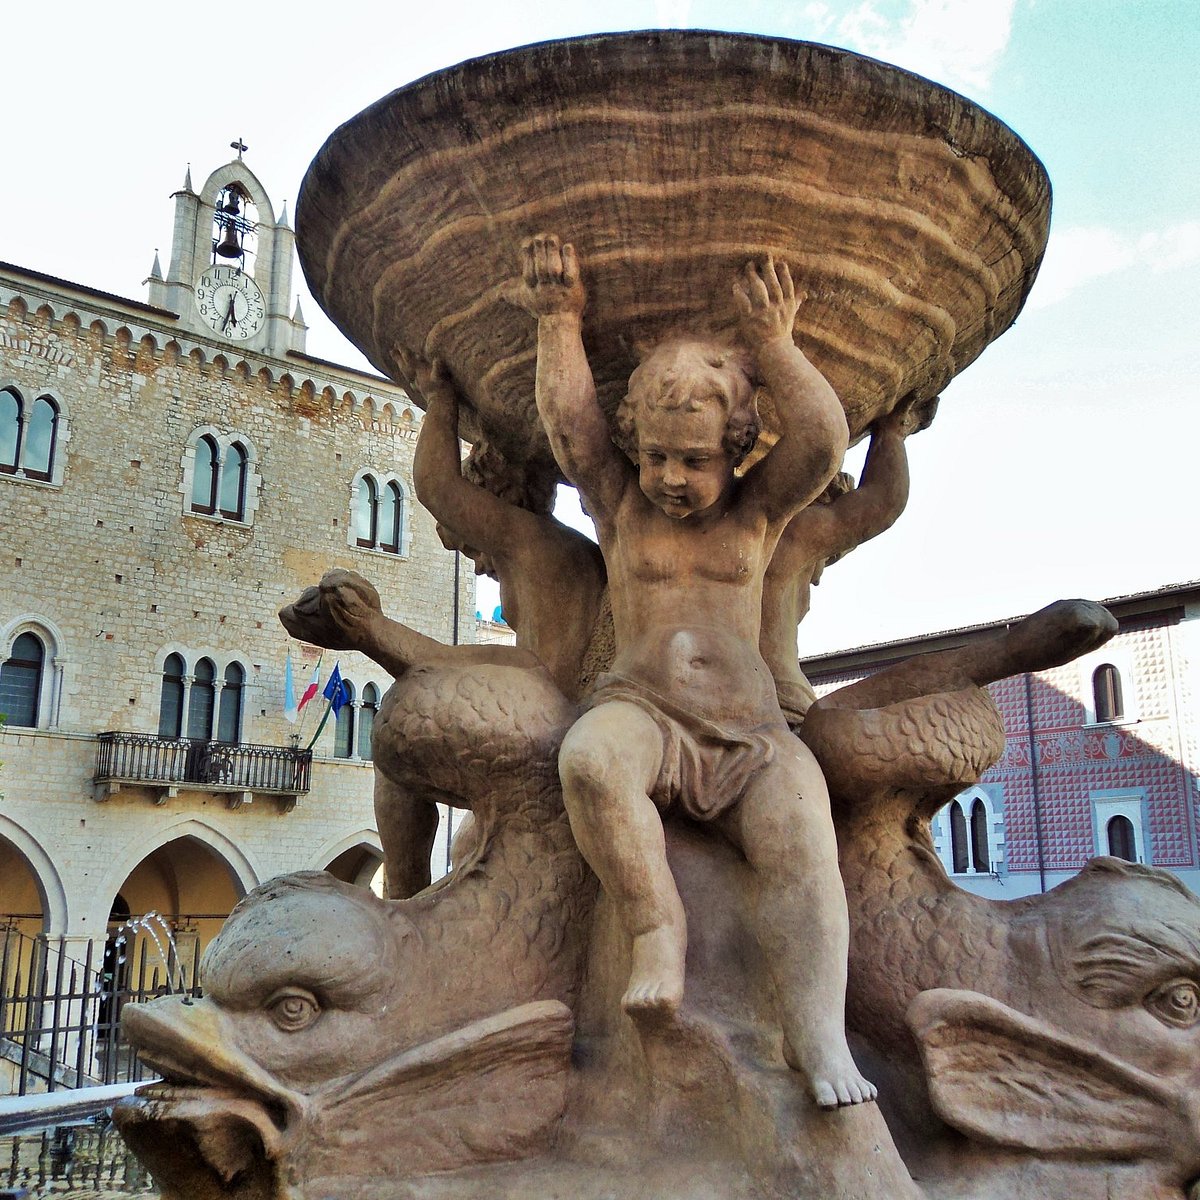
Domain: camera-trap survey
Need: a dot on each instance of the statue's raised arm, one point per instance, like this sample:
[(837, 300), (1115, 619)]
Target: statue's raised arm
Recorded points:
[(473, 514), (551, 289), (813, 434)]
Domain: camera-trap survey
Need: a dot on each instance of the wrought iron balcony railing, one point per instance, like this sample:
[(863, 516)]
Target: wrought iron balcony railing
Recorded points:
[(171, 764)]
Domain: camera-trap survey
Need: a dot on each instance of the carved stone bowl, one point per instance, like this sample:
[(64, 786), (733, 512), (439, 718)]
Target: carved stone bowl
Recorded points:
[(914, 219)]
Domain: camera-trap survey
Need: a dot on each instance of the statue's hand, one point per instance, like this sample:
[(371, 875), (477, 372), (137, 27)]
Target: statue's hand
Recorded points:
[(767, 301), (908, 417), (339, 614), (550, 281), (430, 378)]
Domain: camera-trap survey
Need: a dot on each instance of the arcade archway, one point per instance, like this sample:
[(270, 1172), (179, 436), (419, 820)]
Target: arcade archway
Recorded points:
[(361, 865), (184, 886)]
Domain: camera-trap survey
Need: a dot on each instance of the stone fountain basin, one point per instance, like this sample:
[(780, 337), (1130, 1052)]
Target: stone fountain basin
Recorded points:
[(914, 219)]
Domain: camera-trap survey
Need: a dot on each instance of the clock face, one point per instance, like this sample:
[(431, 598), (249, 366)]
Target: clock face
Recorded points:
[(230, 302)]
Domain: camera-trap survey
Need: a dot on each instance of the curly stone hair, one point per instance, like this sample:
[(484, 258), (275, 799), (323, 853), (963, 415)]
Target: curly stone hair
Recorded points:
[(684, 373), (514, 483)]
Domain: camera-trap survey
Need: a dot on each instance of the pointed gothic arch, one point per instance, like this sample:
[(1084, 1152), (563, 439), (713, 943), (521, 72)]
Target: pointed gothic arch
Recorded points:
[(45, 874), (243, 873), (44, 669)]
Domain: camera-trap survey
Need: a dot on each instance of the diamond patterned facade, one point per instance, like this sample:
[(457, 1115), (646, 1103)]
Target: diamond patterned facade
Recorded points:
[(1067, 773)]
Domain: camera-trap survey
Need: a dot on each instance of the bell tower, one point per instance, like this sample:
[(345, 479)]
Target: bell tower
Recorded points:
[(230, 273)]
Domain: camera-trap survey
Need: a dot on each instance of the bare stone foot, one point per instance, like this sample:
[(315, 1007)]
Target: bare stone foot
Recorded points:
[(833, 1079), (656, 980)]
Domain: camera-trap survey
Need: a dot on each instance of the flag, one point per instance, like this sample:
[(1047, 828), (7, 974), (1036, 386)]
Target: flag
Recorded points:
[(313, 685), (336, 691), (290, 711)]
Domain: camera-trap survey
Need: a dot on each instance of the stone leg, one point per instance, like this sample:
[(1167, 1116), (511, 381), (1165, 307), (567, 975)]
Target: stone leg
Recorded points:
[(407, 827), (608, 763), (784, 828)]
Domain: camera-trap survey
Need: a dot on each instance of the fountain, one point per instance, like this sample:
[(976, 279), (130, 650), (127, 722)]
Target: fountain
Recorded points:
[(684, 271), (159, 930)]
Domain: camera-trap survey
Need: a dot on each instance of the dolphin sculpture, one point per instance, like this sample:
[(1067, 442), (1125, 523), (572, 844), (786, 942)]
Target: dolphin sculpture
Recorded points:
[(1059, 1035), (304, 1056), (1041, 1047), (335, 1036)]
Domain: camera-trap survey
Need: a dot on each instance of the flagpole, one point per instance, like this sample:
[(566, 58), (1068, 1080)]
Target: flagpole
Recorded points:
[(328, 710), (335, 693), (303, 711)]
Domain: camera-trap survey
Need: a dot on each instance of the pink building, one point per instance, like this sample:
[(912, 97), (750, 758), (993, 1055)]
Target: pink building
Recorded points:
[(1102, 754)]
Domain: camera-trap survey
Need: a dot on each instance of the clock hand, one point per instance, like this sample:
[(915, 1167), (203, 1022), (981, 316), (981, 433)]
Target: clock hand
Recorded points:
[(228, 316)]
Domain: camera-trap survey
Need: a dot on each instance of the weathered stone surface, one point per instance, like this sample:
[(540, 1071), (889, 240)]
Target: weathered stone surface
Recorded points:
[(916, 219), (680, 1031)]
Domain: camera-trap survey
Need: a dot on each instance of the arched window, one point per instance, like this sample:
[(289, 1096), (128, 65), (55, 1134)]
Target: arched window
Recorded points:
[(233, 483), (377, 513), (343, 734), (958, 839), (366, 513), (29, 437), (220, 476), (968, 834), (40, 436), (10, 431), (229, 718), (1121, 842), (204, 476), (980, 849), (366, 720), (203, 700), (1106, 692), (170, 704), (391, 515), (21, 681)]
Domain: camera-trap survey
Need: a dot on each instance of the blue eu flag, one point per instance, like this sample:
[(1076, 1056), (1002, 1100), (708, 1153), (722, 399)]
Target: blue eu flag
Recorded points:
[(336, 691)]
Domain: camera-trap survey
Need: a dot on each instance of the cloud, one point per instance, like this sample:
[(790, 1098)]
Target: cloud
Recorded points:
[(956, 42), (1176, 246), (1077, 256), (672, 14)]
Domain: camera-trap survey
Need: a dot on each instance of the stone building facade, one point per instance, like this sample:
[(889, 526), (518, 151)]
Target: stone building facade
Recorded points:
[(1102, 755), (169, 477)]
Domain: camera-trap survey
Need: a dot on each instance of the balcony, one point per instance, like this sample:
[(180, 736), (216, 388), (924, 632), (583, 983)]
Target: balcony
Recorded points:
[(170, 765)]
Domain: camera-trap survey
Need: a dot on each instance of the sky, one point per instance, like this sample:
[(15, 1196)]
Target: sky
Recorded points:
[(1062, 463)]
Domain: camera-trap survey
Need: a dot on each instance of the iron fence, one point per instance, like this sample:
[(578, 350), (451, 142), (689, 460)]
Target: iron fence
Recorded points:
[(60, 1017), (75, 1161), (220, 766)]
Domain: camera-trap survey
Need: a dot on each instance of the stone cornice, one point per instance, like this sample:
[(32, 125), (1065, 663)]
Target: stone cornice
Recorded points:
[(70, 310)]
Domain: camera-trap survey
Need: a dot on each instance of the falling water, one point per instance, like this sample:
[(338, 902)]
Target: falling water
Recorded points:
[(157, 926)]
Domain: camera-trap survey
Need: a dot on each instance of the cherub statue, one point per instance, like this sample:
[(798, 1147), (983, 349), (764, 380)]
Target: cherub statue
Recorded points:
[(551, 577), (841, 518), (688, 720)]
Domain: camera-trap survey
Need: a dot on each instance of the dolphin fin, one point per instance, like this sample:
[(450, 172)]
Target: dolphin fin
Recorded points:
[(490, 1091), (1005, 1078)]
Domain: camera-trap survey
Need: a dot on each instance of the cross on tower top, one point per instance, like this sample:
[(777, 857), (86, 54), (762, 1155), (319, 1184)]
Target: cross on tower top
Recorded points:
[(240, 147)]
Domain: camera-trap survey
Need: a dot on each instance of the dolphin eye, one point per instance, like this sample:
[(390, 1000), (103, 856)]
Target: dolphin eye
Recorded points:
[(293, 1009), (1175, 1003)]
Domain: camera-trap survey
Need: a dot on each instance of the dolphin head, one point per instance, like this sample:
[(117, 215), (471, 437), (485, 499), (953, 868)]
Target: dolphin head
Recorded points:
[(1095, 1051), (321, 1047), (299, 989)]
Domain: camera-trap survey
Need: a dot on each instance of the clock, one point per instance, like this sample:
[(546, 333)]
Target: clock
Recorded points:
[(230, 302)]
